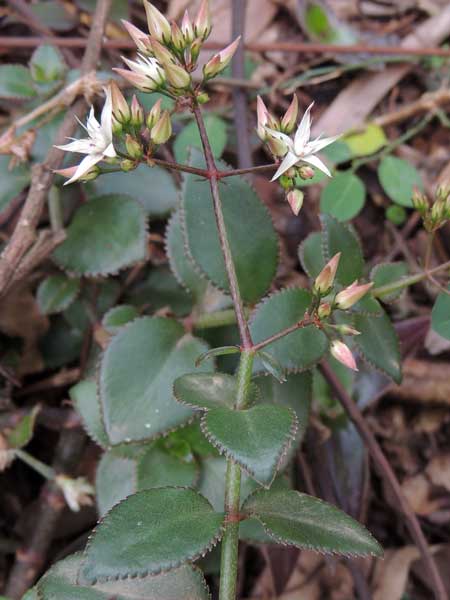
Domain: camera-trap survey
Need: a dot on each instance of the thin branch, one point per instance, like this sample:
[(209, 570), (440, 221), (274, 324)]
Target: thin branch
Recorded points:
[(273, 338), (388, 475)]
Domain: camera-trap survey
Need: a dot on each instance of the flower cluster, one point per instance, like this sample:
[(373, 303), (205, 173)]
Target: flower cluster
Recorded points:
[(436, 214), (327, 301), (275, 134)]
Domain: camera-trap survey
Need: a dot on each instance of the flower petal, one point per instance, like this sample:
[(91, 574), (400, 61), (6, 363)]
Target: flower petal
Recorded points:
[(320, 143), (288, 161), (304, 131), (83, 146), (316, 162), (110, 151), (87, 163), (106, 116)]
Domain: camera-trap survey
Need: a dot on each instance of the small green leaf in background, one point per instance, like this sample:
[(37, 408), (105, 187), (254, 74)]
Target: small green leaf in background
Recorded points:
[(398, 179), (323, 25), (190, 138), (136, 378), (115, 479), (47, 64), (13, 180), (344, 196), (53, 15), (297, 351), (385, 273), (118, 316), (16, 82), (378, 343), (256, 438), (440, 315), (307, 522), (61, 583), (367, 142), (396, 214), (338, 152), (153, 187), (21, 434), (107, 233), (56, 293), (86, 402), (341, 237), (152, 531), (310, 254)]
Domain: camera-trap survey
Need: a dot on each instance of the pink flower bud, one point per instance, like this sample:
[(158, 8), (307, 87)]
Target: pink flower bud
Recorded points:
[(154, 114), (137, 112), (162, 130), (305, 172), (187, 28), (263, 118), (161, 53), (120, 109), (158, 25), (295, 199), (350, 295), (220, 60), (202, 25), (138, 80), (178, 39), (195, 49), (342, 353), (325, 279), (347, 330), (69, 172), (141, 39), (324, 310), (177, 76), (289, 120)]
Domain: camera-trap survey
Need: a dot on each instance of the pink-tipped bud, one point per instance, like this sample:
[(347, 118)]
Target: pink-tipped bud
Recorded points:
[(263, 118), (137, 113), (162, 130), (289, 121), (139, 81), (341, 352), (420, 201), (220, 60), (120, 109), (350, 295), (69, 172), (128, 165), (161, 53), (154, 114), (177, 76), (347, 330), (324, 310), (158, 25), (187, 28), (202, 25), (277, 147), (325, 279), (140, 38), (178, 40), (295, 199), (134, 148), (195, 48), (305, 172)]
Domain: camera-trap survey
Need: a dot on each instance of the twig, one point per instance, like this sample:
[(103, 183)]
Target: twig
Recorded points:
[(388, 475), (428, 102)]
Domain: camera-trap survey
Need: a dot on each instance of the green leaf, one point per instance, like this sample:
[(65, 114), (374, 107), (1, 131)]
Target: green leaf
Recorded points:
[(107, 234), (310, 254), (366, 142), (271, 365), (341, 237), (115, 480), (398, 179), (154, 530), (53, 15), (153, 187), (56, 293), (378, 343), (299, 350), (136, 378), (61, 583), (47, 64), (13, 181), (16, 82), (118, 316), (255, 256), (396, 214), (30, 595), (344, 196), (189, 137), (306, 522), (323, 26), (338, 152), (87, 404), (62, 343), (206, 391), (256, 438), (157, 468), (440, 315), (221, 351), (386, 273), (21, 434)]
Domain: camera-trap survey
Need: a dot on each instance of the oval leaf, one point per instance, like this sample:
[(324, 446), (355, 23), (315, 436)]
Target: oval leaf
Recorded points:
[(56, 293), (85, 399), (386, 273), (307, 522), (16, 82), (310, 254), (154, 530), (399, 178), (440, 315), (343, 197), (115, 480), (340, 237), (189, 137)]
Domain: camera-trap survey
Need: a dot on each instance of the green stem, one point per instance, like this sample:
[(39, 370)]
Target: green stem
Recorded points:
[(230, 540), (387, 289), (220, 318), (41, 468), (55, 210)]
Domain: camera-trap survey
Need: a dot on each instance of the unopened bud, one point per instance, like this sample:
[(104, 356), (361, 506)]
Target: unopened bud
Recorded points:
[(154, 114), (295, 199), (187, 28), (140, 38), (196, 46), (346, 330), (289, 120), (134, 148), (120, 109), (220, 60), (202, 98), (325, 279), (342, 353), (305, 172), (178, 77), (162, 54), (324, 310), (420, 201), (158, 25), (128, 165), (202, 25), (116, 127), (277, 147), (286, 182), (137, 113), (162, 130), (351, 295), (178, 40), (69, 172)]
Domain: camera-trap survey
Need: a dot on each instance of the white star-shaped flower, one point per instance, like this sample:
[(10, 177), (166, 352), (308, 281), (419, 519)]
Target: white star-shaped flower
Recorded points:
[(99, 144), (301, 149)]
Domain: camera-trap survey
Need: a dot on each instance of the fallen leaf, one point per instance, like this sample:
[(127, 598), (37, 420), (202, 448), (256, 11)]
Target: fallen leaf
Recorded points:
[(391, 573)]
